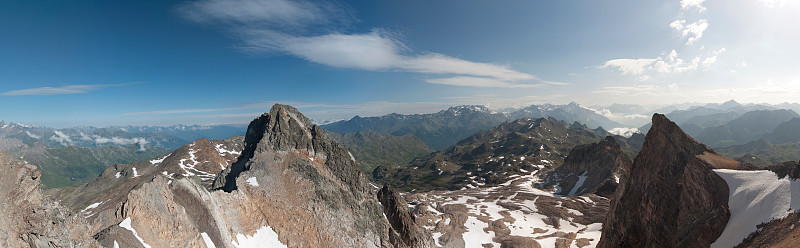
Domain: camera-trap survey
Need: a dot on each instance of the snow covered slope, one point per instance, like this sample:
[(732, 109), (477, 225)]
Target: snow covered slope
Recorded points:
[(755, 197)]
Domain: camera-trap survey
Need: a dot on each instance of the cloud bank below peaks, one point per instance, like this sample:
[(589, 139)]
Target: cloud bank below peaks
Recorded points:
[(312, 31)]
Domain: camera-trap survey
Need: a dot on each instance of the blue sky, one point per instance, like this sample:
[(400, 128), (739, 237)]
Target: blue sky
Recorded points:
[(103, 63)]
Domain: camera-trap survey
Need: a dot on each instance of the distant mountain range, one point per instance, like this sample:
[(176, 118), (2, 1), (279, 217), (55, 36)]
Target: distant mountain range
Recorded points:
[(71, 156), (445, 128)]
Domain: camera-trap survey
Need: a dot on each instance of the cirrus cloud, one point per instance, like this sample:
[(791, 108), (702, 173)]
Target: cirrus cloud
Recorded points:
[(311, 31), (61, 90)]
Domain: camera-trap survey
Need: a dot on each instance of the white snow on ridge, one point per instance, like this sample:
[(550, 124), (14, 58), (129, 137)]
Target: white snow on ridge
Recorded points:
[(264, 237), (157, 161), (127, 225), (135, 174), (119, 174), (191, 166), (755, 197)]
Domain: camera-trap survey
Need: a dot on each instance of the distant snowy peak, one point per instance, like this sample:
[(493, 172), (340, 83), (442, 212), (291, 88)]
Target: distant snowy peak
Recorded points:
[(11, 125), (467, 109)]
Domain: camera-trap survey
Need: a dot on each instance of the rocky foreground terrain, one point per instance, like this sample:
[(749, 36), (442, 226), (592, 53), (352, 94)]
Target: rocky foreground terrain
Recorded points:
[(287, 183)]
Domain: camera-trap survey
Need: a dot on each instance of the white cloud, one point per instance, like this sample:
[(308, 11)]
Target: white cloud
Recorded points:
[(284, 29), (698, 4), (32, 135), (667, 63), (624, 131), (742, 64), (673, 64), (694, 30), (61, 138), (774, 3), (629, 66), (709, 61), (61, 90), (140, 142)]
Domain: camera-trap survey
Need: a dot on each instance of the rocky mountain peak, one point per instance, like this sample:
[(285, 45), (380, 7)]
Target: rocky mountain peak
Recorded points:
[(285, 130), (671, 197)]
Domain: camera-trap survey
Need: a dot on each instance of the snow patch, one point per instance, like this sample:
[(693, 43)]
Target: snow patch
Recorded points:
[(264, 237), (581, 179), (222, 151), (127, 225), (252, 181), (207, 240), (475, 236), (135, 174), (117, 175)]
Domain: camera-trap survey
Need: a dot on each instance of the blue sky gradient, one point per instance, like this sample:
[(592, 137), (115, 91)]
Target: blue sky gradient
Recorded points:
[(103, 63)]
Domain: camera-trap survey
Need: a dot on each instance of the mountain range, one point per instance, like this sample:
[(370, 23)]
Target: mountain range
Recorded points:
[(444, 128), (527, 182)]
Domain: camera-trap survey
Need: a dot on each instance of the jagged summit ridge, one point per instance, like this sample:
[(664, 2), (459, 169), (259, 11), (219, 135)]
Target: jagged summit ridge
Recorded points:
[(671, 197), (285, 129)]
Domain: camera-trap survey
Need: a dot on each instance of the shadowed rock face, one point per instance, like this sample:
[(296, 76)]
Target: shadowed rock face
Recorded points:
[(31, 220), (671, 197), (592, 168), (405, 232)]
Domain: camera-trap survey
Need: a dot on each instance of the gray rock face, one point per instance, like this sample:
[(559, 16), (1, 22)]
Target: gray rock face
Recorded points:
[(31, 220)]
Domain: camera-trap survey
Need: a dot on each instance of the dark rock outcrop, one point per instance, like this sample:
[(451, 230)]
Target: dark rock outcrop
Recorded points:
[(671, 197), (404, 231), (30, 219), (592, 168)]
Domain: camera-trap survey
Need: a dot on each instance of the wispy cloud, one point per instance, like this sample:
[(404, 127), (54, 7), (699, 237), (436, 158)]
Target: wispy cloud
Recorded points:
[(61, 90), (694, 30), (312, 31), (479, 82)]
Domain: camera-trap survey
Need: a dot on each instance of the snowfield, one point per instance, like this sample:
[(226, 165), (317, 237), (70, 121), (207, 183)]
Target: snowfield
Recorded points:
[(755, 197), (264, 237), (517, 205)]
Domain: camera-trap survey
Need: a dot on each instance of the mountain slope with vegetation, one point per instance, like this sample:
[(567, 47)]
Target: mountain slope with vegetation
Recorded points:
[(372, 149), (493, 156)]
